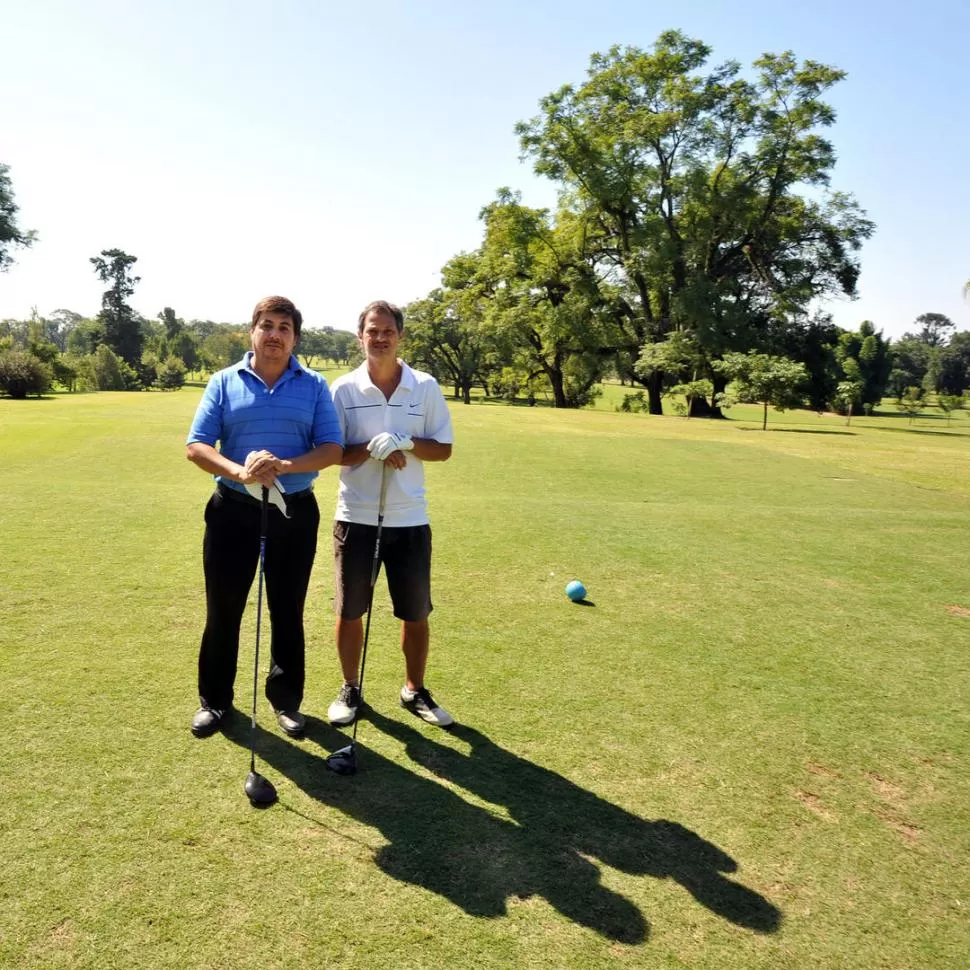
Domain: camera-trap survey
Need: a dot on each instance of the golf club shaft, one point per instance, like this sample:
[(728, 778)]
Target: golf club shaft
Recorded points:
[(375, 569), (263, 522)]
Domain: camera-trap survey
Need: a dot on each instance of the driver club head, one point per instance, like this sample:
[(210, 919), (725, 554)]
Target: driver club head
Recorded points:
[(259, 790), (343, 761)]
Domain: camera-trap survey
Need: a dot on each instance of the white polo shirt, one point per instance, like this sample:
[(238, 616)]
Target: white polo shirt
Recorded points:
[(416, 408)]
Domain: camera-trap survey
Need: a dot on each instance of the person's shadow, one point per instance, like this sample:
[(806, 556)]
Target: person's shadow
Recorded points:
[(479, 860)]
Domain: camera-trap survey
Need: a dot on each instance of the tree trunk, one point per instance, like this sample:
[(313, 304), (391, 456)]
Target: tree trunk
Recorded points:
[(764, 423), (654, 385), (558, 388), (466, 392), (700, 407)]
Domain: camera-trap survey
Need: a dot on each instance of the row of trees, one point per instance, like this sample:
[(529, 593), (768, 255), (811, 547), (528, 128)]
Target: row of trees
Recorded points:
[(121, 350), (694, 237)]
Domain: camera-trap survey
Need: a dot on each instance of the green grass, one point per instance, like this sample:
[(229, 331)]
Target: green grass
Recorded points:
[(750, 752)]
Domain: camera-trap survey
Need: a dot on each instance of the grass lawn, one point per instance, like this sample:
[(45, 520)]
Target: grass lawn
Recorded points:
[(750, 752)]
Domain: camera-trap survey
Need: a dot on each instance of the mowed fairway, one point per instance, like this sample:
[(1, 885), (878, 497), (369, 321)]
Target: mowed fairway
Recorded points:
[(751, 751)]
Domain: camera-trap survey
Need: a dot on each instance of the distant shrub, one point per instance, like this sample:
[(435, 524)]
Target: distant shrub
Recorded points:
[(171, 374), (22, 374)]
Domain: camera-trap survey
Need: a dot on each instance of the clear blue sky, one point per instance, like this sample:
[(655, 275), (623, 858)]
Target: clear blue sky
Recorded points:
[(341, 153)]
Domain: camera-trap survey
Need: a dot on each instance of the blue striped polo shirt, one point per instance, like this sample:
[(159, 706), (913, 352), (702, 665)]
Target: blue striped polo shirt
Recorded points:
[(241, 413)]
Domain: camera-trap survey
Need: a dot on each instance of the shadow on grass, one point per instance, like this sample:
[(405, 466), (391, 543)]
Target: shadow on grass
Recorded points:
[(955, 433), (479, 861), (798, 430), (809, 431)]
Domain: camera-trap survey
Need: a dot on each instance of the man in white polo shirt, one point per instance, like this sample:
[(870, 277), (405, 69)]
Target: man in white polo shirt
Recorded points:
[(393, 415)]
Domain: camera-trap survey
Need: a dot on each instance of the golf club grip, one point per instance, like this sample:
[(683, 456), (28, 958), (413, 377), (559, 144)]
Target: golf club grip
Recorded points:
[(375, 567), (264, 513)]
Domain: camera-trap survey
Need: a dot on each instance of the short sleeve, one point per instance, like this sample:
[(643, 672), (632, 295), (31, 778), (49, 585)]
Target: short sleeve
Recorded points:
[(438, 417), (207, 423)]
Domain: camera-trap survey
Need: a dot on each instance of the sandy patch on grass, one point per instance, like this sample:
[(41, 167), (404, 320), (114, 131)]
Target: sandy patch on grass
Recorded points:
[(958, 611), (814, 804), (823, 771), (907, 830)]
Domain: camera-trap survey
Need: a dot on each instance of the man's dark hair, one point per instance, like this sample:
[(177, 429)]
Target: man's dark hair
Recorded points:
[(278, 304), (381, 306)]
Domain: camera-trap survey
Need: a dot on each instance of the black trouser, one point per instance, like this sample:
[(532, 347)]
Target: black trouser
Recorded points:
[(230, 556)]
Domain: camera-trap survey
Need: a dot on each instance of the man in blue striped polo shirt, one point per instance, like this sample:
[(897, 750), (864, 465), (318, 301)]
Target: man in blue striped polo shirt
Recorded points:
[(274, 421)]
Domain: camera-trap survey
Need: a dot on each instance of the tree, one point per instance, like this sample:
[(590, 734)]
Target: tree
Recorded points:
[(64, 322), (315, 343), (65, 372), (678, 356), (911, 402), (934, 329), (347, 348), (22, 373), (762, 379), (225, 345), (693, 390), (848, 394), (171, 374), (11, 235), (173, 325), (866, 359), (110, 372), (693, 186), (910, 362), (954, 364), (185, 346), (542, 296), (122, 327), (813, 341), (446, 331), (949, 403)]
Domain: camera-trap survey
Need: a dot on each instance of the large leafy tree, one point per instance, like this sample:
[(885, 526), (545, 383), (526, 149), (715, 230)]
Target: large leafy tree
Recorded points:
[(918, 356), (122, 326), (954, 375), (543, 294), (445, 330), (764, 379), (706, 193), (11, 234), (866, 359), (911, 362), (934, 329)]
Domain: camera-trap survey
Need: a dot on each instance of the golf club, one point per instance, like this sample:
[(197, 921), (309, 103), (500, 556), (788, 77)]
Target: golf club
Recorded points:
[(344, 760), (260, 790)]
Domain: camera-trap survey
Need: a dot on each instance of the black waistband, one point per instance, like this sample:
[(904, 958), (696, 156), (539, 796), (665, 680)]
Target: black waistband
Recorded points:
[(227, 491)]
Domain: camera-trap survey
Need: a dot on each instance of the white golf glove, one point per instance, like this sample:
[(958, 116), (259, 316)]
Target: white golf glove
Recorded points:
[(381, 445)]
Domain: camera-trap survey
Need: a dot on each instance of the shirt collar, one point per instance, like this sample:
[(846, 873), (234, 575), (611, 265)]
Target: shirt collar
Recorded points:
[(364, 382), (293, 366)]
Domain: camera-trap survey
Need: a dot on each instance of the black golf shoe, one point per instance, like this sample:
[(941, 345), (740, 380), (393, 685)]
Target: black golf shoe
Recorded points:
[(292, 723), (206, 721)]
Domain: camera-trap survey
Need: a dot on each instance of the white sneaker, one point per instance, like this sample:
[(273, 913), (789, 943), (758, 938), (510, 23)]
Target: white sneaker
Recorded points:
[(344, 709), (421, 703)]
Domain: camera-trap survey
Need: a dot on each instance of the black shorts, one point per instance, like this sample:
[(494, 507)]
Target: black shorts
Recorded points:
[(406, 555)]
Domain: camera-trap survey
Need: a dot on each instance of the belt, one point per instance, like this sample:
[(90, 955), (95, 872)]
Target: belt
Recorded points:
[(233, 493)]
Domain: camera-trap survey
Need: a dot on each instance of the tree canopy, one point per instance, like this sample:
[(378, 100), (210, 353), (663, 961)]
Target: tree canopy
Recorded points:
[(11, 234)]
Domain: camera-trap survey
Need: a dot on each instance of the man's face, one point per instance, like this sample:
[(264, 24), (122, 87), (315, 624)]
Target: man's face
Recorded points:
[(273, 337), (379, 337)]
